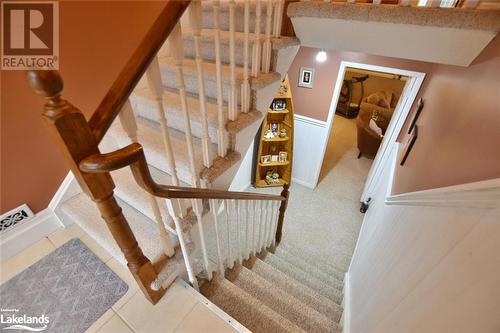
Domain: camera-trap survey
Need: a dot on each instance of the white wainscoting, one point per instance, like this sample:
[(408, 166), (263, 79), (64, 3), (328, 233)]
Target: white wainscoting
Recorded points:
[(426, 268), (309, 136)]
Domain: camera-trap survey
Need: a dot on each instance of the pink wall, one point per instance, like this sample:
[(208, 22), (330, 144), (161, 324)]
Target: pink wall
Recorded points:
[(96, 39), (460, 124)]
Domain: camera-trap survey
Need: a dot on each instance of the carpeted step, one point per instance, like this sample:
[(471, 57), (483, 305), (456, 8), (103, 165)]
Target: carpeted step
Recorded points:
[(304, 277), (300, 291), (208, 17), (144, 105), (150, 138), (328, 267), (83, 211), (169, 77), (283, 303), (245, 308), (208, 45), (313, 268)]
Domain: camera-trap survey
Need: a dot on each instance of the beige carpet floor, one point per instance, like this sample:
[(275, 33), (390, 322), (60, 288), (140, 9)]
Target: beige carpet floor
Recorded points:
[(324, 223)]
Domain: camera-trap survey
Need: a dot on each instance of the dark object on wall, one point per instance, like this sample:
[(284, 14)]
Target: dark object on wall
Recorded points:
[(417, 114), (410, 144), (345, 106), (365, 205)]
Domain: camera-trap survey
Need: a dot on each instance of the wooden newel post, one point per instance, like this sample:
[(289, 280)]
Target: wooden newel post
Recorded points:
[(74, 137), (281, 217)]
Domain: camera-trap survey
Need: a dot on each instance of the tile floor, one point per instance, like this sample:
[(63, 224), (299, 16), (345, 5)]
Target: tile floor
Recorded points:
[(178, 311)]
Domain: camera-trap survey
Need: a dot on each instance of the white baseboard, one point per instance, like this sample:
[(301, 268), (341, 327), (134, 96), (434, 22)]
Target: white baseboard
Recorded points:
[(303, 183), (346, 315), (69, 187), (24, 235)]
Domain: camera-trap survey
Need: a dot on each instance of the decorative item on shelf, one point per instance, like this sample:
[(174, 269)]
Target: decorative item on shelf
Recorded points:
[(283, 156), (283, 133), (265, 159), (274, 158), (283, 88), (274, 127), (279, 104), (306, 77), (272, 177)]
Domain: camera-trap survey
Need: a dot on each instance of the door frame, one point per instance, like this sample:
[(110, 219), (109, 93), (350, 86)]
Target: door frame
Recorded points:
[(401, 111)]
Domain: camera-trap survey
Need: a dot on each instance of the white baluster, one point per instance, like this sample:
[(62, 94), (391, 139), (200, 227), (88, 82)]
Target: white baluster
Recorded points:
[(233, 96), (266, 49), (433, 3), (351, 1), (246, 224), (269, 212), (174, 212), (129, 125), (276, 206), (278, 17), (214, 208), (250, 227), (377, 2), (155, 85), (245, 86), (255, 227), (177, 51), (256, 48), (238, 230), (404, 2), (221, 117), (230, 262), (263, 225), (195, 17)]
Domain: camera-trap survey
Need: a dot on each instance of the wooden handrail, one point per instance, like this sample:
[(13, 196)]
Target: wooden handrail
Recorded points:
[(135, 67), (133, 156)]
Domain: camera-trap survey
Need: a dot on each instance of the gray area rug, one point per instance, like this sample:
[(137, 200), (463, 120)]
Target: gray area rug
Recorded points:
[(65, 292)]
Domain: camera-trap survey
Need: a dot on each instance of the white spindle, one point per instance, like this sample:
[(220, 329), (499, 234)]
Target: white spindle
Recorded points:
[(129, 125), (256, 48), (245, 85), (404, 2), (276, 205), (263, 225), (173, 211), (195, 17), (250, 227), (278, 17), (269, 212), (433, 3), (177, 51), (230, 262), (221, 117), (233, 99), (257, 221), (238, 230), (377, 2), (155, 85), (266, 49), (214, 208), (351, 1)]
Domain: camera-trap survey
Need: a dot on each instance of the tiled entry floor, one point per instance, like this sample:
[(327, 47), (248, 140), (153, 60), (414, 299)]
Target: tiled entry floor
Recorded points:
[(178, 311)]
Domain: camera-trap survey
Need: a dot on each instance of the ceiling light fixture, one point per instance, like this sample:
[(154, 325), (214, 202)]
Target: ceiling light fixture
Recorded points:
[(321, 56)]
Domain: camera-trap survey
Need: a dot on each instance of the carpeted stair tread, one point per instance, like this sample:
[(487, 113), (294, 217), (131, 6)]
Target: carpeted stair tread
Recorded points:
[(283, 303), (304, 277), (84, 212), (144, 105), (208, 48), (312, 267), (150, 138), (245, 308), (304, 255), (169, 77), (300, 291)]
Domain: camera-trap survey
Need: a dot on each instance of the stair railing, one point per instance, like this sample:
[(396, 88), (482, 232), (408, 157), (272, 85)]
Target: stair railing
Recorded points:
[(79, 140)]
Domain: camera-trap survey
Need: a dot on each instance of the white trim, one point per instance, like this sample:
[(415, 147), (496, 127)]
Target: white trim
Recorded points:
[(397, 121), (69, 188), (214, 308), (346, 315), (303, 183), (24, 235), (309, 120)]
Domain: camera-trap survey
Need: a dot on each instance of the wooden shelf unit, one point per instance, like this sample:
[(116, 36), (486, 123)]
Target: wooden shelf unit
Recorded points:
[(273, 146)]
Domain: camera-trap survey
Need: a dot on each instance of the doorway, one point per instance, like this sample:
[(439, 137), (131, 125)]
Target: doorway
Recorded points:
[(369, 106)]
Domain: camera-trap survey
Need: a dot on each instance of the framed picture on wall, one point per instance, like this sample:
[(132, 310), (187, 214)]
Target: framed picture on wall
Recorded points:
[(306, 77)]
